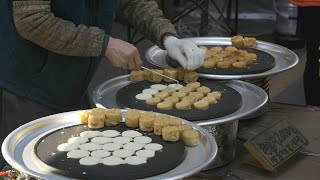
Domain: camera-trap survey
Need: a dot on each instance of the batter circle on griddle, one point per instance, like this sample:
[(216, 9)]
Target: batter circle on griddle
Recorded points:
[(170, 157), (230, 101)]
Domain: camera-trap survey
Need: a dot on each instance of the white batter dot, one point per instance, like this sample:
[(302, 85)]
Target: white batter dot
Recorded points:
[(145, 153), (112, 161), (142, 139), (90, 146), (100, 153), (90, 134), (122, 153), (110, 133), (101, 140), (135, 160), (150, 91), (89, 161), (79, 140), (77, 154), (153, 146), (143, 96), (121, 140), (158, 87), (68, 146), (112, 146), (131, 133), (133, 146)]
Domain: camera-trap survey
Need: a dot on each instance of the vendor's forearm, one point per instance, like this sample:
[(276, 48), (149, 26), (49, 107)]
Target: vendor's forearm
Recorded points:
[(146, 16), (35, 22)]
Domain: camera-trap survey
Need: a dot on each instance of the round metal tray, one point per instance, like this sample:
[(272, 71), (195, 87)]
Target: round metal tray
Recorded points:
[(18, 148), (285, 58), (254, 98)]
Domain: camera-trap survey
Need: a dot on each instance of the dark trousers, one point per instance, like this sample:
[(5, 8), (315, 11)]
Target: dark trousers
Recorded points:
[(16, 111), (308, 29), (311, 73)]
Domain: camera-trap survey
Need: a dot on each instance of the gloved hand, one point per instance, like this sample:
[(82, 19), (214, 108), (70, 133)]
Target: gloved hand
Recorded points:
[(185, 52)]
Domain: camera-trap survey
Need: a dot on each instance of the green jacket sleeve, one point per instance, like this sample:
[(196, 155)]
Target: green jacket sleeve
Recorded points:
[(146, 16), (35, 22)]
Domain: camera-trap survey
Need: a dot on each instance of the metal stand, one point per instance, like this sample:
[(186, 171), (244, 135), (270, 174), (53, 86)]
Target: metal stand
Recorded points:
[(261, 82), (203, 5)]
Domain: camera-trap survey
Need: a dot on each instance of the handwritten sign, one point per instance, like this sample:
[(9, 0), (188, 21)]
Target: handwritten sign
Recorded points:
[(276, 145)]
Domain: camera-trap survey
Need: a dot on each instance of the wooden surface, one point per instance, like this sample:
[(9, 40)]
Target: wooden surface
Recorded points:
[(302, 166)]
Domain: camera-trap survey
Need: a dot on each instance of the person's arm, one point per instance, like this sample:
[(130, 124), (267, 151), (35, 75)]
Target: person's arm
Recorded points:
[(146, 16), (35, 22)]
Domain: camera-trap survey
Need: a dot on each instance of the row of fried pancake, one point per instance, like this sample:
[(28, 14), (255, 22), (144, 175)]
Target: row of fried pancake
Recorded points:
[(178, 73), (229, 57), (194, 94), (171, 129), (243, 41), (99, 117)]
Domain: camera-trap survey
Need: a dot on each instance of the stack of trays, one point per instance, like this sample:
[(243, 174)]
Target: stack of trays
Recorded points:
[(251, 83), (35, 148)]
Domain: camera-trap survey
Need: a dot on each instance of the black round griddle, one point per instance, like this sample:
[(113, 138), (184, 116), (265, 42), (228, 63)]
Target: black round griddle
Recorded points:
[(264, 63), (165, 160), (230, 102)]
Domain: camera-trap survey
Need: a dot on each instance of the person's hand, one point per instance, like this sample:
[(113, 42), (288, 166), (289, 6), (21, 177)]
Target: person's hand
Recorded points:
[(123, 54), (185, 52)]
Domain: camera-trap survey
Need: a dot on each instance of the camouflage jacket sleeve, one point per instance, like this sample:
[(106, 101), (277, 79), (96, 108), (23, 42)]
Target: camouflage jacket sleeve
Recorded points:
[(147, 18), (35, 22)]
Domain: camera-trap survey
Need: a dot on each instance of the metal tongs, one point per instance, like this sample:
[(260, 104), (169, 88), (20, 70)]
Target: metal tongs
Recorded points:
[(160, 74)]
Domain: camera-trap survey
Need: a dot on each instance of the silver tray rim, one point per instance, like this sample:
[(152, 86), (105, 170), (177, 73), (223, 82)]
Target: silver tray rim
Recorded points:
[(263, 98), (261, 45), (23, 132)]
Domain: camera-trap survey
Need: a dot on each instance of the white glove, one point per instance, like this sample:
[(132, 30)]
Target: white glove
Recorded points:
[(185, 52)]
